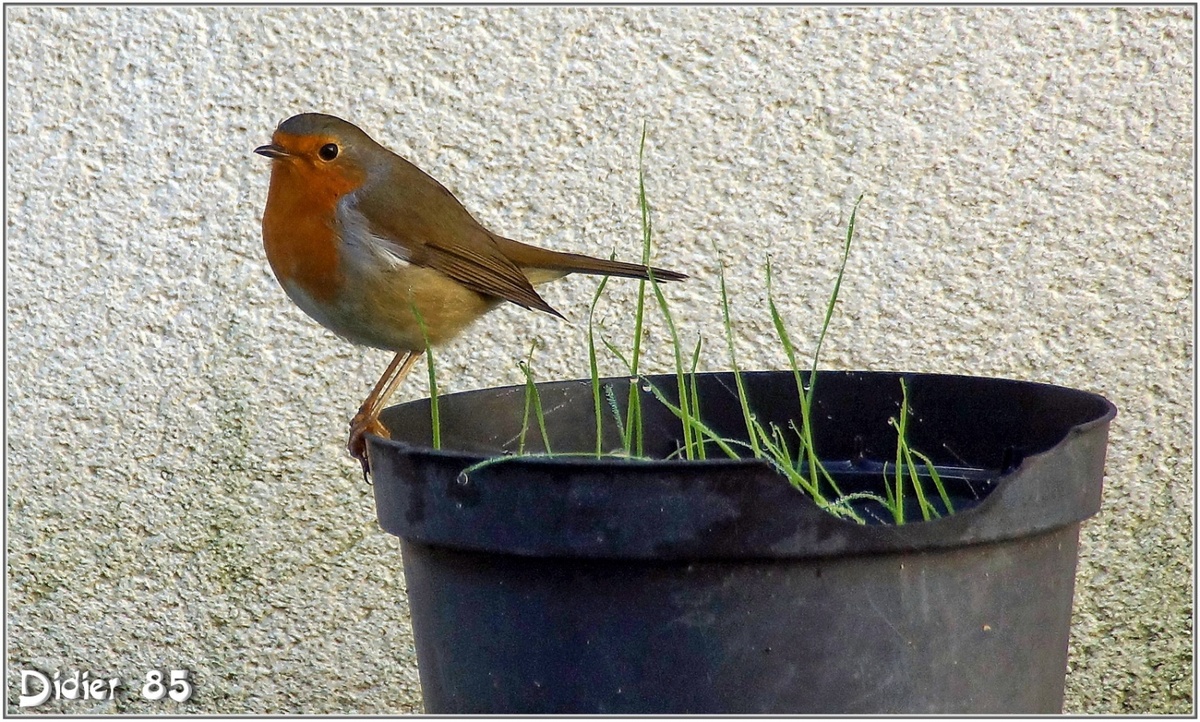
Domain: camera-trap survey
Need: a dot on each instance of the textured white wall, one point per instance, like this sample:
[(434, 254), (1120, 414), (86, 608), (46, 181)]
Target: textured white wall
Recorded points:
[(177, 490)]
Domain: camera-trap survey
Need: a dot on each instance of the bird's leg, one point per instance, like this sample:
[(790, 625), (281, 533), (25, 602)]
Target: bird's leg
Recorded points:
[(366, 421)]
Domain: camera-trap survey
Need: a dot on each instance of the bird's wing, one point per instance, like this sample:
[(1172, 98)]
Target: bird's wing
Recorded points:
[(430, 228)]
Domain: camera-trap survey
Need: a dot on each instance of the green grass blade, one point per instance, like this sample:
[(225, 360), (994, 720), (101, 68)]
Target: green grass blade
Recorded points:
[(647, 242), (937, 480), (807, 451), (680, 382), (533, 398), (610, 394), (593, 366), (525, 415), (624, 427), (435, 412), (698, 425), (903, 460), (612, 348), (435, 415), (837, 287), (928, 510), (633, 420), (465, 474), (695, 393), (747, 414)]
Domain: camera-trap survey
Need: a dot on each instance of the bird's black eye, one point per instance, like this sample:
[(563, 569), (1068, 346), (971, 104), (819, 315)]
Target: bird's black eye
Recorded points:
[(329, 151)]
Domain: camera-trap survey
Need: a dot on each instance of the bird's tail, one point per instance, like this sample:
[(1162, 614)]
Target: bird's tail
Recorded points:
[(554, 264)]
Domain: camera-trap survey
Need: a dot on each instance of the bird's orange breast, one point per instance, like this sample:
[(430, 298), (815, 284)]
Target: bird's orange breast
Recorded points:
[(300, 233)]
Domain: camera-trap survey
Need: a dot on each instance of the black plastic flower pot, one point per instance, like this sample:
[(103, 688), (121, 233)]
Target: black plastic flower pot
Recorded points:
[(581, 585)]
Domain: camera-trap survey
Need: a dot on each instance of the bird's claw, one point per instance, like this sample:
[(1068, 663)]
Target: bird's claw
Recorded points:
[(360, 426)]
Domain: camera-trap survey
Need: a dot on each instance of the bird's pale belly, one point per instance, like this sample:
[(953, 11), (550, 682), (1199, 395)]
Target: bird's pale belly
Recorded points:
[(376, 308)]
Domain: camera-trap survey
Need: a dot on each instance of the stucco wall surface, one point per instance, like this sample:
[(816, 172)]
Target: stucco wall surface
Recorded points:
[(177, 491)]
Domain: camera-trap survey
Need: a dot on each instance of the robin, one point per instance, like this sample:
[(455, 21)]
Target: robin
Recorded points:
[(360, 238)]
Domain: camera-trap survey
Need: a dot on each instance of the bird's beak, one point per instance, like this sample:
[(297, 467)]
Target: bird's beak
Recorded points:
[(272, 151)]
